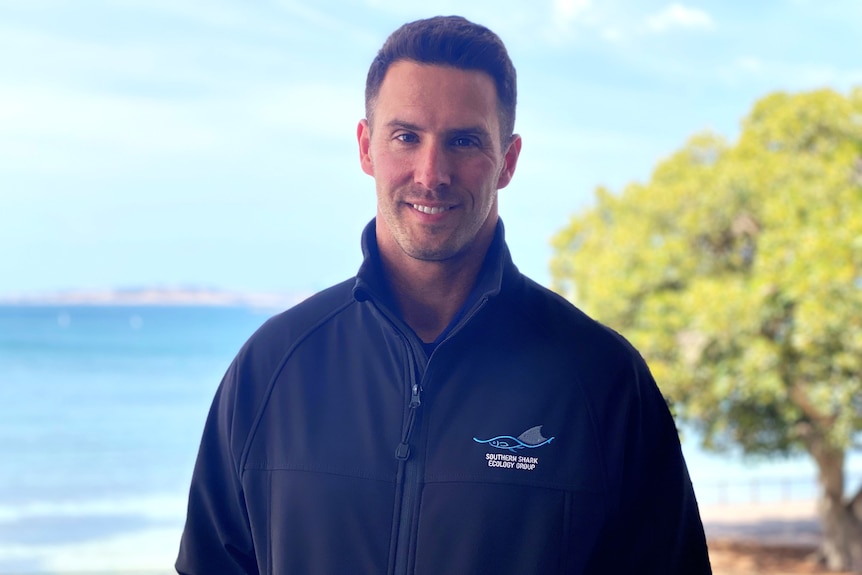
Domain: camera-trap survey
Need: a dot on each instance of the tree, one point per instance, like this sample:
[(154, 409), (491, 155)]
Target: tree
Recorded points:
[(737, 271)]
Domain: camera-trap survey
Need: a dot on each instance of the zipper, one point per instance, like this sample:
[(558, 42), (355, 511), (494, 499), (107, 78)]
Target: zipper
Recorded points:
[(467, 319), (402, 452), (407, 480), (464, 321), (409, 469)]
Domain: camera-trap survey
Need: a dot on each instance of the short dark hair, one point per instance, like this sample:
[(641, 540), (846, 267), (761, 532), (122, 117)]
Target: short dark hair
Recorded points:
[(449, 41)]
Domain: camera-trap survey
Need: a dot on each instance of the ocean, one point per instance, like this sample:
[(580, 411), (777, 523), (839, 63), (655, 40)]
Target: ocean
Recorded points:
[(101, 412)]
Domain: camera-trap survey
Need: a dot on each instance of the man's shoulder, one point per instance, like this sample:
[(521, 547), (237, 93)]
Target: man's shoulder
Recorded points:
[(548, 306), (307, 314), (563, 321), (251, 375), (274, 339), (608, 366)]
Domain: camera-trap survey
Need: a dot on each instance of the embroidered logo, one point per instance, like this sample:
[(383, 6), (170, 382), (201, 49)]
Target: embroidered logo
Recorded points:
[(530, 439)]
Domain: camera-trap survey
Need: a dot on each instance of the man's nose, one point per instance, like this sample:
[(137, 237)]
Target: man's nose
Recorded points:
[(432, 168)]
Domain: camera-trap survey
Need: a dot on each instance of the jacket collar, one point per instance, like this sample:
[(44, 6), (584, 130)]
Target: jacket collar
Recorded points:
[(371, 282)]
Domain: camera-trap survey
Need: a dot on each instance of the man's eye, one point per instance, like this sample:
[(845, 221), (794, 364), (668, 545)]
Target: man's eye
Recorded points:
[(407, 138), (464, 142)]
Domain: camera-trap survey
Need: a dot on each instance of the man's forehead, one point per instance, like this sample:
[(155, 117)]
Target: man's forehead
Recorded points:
[(417, 93), (403, 68)]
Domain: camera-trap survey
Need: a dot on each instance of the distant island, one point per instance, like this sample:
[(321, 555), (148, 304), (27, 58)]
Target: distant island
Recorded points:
[(156, 296)]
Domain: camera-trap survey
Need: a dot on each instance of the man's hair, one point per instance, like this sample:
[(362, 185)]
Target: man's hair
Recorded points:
[(449, 41)]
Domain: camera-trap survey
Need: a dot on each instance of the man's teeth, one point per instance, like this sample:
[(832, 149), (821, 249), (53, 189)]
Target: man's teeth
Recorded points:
[(429, 210)]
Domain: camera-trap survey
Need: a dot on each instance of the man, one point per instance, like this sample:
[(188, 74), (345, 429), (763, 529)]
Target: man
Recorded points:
[(439, 413)]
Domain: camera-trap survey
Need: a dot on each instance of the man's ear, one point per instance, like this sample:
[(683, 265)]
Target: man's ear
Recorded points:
[(363, 137), (510, 161)]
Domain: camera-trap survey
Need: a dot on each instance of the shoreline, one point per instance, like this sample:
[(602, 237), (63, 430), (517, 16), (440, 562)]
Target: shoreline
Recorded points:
[(156, 296)]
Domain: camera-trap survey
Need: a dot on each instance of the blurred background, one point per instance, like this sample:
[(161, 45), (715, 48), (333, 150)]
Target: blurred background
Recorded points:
[(172, 173)]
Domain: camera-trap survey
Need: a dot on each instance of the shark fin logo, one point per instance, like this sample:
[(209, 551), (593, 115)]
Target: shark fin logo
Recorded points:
[(530, 439)]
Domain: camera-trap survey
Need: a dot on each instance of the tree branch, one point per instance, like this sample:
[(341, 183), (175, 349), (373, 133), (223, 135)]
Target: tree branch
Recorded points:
[(799, 397)]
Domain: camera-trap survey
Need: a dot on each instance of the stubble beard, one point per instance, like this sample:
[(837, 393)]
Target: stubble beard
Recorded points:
[(429, 242)]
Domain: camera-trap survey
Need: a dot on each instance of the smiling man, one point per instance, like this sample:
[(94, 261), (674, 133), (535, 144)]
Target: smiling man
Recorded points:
[(437, 169), (439, 412)]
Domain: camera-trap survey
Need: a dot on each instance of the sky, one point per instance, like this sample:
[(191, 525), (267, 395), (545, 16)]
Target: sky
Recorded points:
[(211, 143)]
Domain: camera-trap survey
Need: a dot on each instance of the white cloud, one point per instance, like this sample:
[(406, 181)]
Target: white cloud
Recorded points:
[(62, 130), (568, 19), (329, 110), (286, 17), (612, 34), (564, 12), (72, 105), (749, 64), (788, 75), (44, 129), (679, 16)]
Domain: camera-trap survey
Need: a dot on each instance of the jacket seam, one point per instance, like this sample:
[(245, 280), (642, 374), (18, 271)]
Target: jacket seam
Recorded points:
[(544, 484), (531, 288), (269, 552), (320, 471), (597, 441), (267, 394)]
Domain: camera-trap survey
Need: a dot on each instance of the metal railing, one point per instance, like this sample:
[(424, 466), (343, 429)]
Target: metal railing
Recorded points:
[(765, 489)]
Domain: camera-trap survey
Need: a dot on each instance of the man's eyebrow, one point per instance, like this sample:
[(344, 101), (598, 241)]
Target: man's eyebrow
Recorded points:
[(403, 125), (477, 129)]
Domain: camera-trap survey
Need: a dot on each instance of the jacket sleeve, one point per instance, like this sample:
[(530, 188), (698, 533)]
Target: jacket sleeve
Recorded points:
[(657, 527), (217, 536)]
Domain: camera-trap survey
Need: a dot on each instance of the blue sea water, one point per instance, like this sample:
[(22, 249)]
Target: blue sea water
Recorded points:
[(101, 411)]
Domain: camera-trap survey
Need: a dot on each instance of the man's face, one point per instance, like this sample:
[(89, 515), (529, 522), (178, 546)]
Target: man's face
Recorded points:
[(434, 150)]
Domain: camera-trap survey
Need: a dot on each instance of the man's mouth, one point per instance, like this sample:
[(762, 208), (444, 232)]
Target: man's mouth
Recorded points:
[(429, 209)]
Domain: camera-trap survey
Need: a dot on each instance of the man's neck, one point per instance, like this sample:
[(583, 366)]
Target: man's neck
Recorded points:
[(430, 300), (430, 293)]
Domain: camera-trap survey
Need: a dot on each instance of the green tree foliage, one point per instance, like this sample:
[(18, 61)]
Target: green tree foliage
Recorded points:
[(737, 271)]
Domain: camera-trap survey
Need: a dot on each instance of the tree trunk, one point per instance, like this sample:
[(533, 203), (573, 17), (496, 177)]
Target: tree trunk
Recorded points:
[(841, 546)]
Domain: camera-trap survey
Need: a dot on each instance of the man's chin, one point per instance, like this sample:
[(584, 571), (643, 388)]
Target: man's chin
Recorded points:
[(435, 255), (430, 253)]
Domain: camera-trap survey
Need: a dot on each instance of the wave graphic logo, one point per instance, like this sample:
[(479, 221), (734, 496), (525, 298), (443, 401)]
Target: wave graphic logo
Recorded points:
[(530, 439)]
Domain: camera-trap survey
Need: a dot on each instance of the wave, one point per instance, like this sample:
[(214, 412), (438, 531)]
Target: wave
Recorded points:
[(157, 508), (150, 551)]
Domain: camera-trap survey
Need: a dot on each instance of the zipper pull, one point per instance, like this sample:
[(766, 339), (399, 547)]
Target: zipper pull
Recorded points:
[(402, 452), (415, 400)]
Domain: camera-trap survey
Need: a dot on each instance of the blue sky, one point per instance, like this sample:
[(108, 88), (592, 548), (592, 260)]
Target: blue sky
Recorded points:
[(212, 143)]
